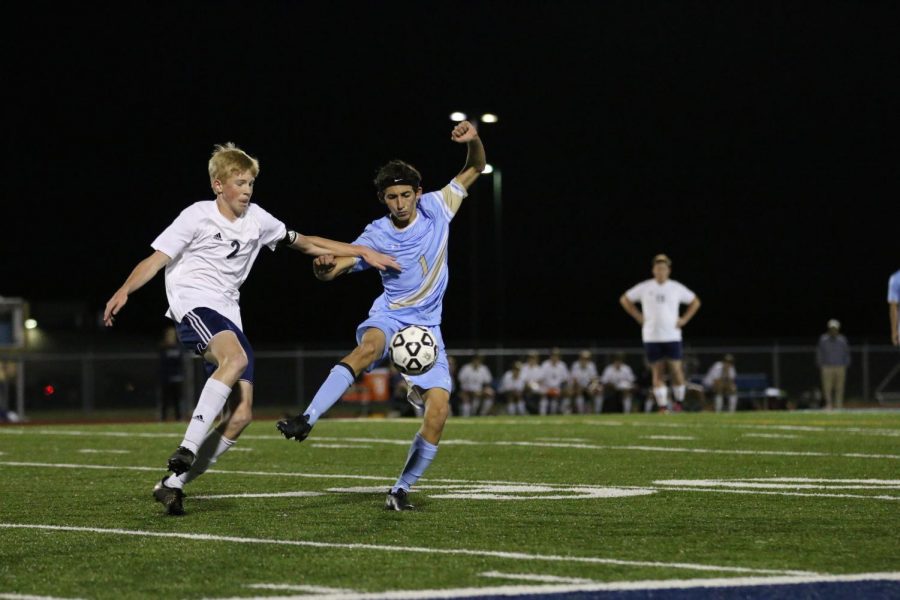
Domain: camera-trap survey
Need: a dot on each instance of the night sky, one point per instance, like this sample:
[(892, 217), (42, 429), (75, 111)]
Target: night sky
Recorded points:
[(755, 143)]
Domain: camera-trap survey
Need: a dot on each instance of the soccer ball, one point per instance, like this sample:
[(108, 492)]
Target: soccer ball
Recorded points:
[(413, 350)]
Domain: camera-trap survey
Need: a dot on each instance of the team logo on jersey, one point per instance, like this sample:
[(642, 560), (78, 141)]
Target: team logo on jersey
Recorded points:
[(218, 236)]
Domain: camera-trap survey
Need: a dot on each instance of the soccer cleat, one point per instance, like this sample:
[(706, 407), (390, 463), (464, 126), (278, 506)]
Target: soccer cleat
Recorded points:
[(398, 501), (297, 427), (169, 497), (414, 397), (181, 460)]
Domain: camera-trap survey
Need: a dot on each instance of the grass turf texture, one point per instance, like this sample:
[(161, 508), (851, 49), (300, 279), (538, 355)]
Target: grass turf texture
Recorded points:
[(771, 532)]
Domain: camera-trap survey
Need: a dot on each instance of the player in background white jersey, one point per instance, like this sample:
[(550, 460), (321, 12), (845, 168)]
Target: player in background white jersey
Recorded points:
[(586, 382), (660, 299), (554, 383), (475, 389), (512, 389), (617, 379), (417, 231), (720, 379), (532, 374), (207, 253)]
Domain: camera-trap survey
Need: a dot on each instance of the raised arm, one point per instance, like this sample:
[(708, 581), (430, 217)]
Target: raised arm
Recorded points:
[(319, 246), (692, 309), (465, 133), (631, 309), (142, 273)]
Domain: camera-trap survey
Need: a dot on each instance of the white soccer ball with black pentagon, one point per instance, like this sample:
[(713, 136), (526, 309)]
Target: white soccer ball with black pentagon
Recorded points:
[(413, 350)]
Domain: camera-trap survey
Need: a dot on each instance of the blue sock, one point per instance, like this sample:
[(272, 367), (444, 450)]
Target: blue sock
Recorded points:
[(421, 453), (337, 382)]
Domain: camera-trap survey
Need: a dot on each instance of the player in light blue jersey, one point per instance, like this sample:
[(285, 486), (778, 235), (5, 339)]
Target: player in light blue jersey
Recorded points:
[(416, 233), (893, 301)]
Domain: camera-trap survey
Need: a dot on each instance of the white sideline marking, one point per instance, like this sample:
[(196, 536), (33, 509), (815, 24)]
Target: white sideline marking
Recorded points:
[(668, 437), (463, 442), (259, 495), (562, 439), (313, 589), (778, 436), (30, 597), (534, 577), (339, 445), (387, 480), (791, 485), (240, 449), (205, 537), (95, 451), (665, 584), (506, 492)]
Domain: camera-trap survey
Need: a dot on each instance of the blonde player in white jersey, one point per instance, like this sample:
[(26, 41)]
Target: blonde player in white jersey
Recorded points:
[(585, 381), (475, 388), (554, 383), (660, 299), (207, 253)]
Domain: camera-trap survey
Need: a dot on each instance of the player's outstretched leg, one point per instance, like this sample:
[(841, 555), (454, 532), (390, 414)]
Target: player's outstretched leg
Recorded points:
[(339, 379)]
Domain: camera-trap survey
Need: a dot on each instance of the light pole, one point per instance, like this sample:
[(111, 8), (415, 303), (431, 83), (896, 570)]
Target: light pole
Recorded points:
[(497, 195)]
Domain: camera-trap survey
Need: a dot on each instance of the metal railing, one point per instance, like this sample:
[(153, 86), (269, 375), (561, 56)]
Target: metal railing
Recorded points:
[(34, 383)]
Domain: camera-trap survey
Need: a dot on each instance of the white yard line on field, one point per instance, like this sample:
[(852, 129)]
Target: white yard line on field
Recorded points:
[(96, 451), (591, 489), (615, 586), (4, 596), (524, 556), (288, 587), (528, 444), (535, 577)]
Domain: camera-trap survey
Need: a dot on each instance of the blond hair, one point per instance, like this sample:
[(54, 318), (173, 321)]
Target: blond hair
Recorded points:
[(227, 160)]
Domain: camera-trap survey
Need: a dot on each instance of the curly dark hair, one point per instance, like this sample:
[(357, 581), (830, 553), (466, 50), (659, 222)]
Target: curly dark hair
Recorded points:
[(397, 172)]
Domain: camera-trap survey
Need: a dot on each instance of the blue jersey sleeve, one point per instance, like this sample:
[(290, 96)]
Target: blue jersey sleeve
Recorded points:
[(894, 288)]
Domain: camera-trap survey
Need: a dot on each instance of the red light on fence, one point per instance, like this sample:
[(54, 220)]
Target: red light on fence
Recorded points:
[(49, 390)]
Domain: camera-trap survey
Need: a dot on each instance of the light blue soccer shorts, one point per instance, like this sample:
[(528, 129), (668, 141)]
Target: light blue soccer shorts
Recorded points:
[(436, 377)]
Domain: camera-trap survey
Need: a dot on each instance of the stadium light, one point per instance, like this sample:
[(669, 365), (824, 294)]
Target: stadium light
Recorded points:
[(488, 168), (457, 116), (489, 118), (30, 324)]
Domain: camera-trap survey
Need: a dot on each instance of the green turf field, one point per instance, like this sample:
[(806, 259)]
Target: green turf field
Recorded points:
[(525, 501)]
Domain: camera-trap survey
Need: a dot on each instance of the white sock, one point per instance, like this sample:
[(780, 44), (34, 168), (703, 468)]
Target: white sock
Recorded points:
[(661, 396), (626, 405), (648, 405), (678, 392), (598, 403), (543, 406), (209, 406), (523, 410), (718, 403), (732, 403)]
